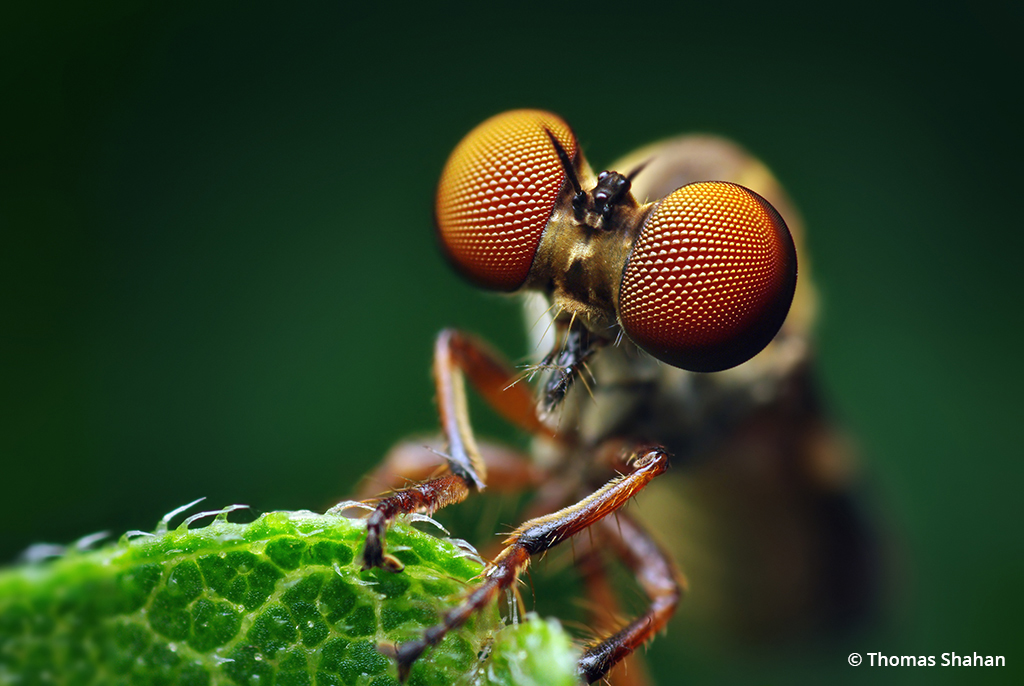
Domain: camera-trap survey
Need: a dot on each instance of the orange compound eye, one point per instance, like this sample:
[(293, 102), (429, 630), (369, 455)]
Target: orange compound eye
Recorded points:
[(497, 193), (710, 278)]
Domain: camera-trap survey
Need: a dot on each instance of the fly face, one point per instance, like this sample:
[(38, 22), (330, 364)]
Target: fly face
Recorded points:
[(644, 298), (701, 279)]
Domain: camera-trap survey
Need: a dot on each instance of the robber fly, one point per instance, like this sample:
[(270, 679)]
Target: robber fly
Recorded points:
[(667, 327)]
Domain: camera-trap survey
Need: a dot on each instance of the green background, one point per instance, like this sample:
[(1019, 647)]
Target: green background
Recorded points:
[(219, 275)]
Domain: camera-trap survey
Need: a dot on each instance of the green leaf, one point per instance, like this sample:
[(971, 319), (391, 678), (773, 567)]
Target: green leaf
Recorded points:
[(280, 600)]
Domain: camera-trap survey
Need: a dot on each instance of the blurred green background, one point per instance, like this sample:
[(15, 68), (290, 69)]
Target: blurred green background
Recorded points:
[(219, 277)]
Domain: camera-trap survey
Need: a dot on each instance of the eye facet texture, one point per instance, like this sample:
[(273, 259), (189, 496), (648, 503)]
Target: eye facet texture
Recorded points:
[(497, 193), (710, 278)]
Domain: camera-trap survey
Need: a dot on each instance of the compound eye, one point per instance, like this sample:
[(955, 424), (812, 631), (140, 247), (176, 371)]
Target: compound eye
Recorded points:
[(710, 278), (497, 193)]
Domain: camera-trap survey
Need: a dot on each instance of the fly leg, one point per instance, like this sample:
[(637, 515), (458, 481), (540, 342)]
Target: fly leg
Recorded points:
[(428, 497), (508, 470), (606, 614), (457, 357), (534, 537), (657, 576)]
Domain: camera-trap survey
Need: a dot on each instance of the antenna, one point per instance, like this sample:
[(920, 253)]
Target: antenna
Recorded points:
[(579, 199)]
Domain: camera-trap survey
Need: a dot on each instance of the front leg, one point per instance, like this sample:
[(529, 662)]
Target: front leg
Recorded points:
[(426, 497), (411, 461), (533, 537), (457, 356), (510, 471)]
